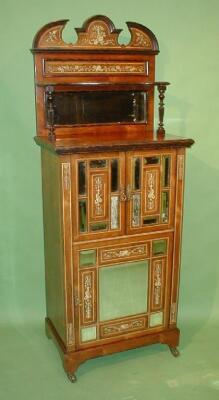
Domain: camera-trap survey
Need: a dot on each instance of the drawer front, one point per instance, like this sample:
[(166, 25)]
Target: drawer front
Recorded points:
[(109, 255), (119, 328)]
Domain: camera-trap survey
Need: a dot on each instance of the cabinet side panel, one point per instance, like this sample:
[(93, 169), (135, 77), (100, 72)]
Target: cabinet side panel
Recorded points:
[(53, 242), (180, 160)]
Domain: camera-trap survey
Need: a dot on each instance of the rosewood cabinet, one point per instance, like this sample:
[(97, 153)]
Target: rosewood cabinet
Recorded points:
[(112, 192)]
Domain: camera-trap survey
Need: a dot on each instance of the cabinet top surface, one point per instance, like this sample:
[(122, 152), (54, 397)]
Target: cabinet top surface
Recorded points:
[(90, 143)]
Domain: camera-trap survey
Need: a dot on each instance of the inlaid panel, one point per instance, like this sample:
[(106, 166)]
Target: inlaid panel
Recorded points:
[(150, 199), (119, 328), (151, 191), (99, 193), (120, 253), (88, 296), (157, 284)]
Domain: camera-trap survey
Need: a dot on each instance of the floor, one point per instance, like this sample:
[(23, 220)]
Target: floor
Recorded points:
[(31, 369)]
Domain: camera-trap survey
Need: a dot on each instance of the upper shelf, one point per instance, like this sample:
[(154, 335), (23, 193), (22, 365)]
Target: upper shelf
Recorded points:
[(97, 33)]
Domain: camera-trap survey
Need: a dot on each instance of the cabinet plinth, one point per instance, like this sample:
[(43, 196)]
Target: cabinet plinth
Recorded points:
[(112, 193)]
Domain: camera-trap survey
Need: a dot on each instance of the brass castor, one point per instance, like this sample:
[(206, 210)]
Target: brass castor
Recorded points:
[(72, 377), (175, 352)]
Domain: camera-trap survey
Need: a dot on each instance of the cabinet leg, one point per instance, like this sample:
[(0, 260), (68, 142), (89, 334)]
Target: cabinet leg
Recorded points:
[(175, 352), (72, 377)]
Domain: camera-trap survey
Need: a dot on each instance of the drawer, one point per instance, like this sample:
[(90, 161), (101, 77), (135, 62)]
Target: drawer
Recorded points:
[(111, 254), (122, 327)]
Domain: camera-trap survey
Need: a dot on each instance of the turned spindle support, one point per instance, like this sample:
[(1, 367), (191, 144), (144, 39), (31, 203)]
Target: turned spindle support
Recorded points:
[(161, 86), (50, 113)]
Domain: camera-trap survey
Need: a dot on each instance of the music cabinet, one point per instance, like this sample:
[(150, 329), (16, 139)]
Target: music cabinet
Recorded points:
[(112, 192)]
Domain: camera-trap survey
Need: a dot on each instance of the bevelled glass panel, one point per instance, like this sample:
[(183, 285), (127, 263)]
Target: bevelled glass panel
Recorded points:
[(152, 160), (98, 163), (156, 319), (159, 247), (123, 290), (99, 226), (136, 173), (136, 209), (82, 178), (87, 258), (114, 212), (150, 220), (164, 207), (114, 176), (89, 333), (82, 215), (166, 171), (100, 107)]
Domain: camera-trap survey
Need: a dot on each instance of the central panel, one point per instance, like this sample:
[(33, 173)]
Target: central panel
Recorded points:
[(123, 290)]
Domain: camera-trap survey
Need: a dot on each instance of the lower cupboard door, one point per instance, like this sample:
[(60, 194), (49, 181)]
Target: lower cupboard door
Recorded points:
[(122, 290)]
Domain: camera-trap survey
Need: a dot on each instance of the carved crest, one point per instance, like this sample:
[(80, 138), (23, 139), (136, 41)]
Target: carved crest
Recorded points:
[(96, 32)]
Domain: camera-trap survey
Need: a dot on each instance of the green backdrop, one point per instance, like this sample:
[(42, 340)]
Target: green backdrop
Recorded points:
[(188, 35)]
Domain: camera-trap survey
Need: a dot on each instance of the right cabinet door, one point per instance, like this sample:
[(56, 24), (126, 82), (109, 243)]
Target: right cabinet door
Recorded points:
[(151, 181)]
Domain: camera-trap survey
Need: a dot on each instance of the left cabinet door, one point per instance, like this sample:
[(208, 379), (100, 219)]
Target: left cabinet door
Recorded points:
[(98, 195)]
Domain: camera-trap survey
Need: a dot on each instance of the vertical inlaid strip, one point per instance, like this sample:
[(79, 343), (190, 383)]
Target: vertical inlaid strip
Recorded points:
[(67, 244), (158, 284), (177, 236), (88, 297)]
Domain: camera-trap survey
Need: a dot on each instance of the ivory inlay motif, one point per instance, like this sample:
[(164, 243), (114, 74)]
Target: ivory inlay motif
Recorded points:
[(66, 175), (140, 39), (88, 297), (98, 186), (124, 252), (157, 283), (98, 35), (180, 166), (70, 333), (151, 190), (55, 67), (125, 326)]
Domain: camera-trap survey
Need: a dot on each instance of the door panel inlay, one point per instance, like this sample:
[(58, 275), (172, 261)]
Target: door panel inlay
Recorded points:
[(88, 297), (99, 193), (158, 284), (151, 184)]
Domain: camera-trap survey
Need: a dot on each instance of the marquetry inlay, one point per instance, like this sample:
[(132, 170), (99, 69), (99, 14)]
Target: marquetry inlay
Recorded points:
[(96, 33), (122, 327), (73, 67), (66, 175), (98, 187), (140, 39), (88, 296), (173, 312), (70, 333), (124, 252), (180, 166), (151, 187), (157, 283)]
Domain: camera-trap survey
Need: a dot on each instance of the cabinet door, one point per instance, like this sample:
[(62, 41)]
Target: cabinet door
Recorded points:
[(150, 191), (122, 288), (98, 195)]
